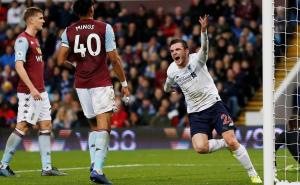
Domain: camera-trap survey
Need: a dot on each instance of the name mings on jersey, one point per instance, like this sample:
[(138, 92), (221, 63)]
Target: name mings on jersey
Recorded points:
[(85, 27)]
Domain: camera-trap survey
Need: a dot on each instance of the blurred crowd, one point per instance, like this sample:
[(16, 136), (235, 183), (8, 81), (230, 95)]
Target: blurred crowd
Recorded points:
[(142, 36)]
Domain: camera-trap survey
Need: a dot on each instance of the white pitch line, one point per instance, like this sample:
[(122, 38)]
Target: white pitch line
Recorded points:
[(137, 165)]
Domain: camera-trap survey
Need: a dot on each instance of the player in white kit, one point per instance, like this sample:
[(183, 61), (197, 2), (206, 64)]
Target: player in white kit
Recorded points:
[(206, 111)]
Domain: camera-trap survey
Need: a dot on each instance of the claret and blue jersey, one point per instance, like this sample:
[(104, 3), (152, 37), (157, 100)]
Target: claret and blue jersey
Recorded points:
[(27, 50), (89, 41)]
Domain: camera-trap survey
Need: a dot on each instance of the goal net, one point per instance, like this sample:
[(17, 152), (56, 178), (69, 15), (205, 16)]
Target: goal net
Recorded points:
[(281, 70)]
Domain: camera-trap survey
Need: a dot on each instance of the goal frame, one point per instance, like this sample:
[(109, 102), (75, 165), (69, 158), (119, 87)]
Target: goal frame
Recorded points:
[(268, 91)]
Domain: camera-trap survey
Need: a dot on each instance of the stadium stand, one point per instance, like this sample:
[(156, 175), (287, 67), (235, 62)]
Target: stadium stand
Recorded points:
[(142, 36)]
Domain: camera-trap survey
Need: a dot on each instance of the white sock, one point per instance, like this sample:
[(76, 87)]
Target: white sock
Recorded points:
[(101, 144), (216, 144), (12, 143), (92, 148), (242, 155), (45, 149)]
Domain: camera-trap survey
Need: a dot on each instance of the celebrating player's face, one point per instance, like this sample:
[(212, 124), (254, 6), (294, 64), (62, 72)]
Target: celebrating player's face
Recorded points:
[(179, 54)]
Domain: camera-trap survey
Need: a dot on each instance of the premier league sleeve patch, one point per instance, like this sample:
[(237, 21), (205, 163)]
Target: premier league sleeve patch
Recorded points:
[(21, 47), (19, 54)]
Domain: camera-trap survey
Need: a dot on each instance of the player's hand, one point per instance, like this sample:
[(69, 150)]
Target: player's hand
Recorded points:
[(35, 94), (126, 93), (204, 22)]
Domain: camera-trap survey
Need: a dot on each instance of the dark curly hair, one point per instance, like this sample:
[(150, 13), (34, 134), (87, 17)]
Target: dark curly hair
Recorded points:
[(82, 7)]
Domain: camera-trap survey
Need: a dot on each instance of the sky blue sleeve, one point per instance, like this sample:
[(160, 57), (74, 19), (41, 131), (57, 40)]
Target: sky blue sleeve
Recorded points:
[(21, 47), (110, 41), (64, 39)]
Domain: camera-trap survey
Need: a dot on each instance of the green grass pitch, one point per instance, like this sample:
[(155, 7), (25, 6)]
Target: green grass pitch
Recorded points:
[(141, 167)]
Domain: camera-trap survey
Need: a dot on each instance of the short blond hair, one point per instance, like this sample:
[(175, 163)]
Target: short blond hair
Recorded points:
[(31, 12)]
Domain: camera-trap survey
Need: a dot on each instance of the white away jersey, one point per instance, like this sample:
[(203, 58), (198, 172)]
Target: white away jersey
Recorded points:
[(195, 82)]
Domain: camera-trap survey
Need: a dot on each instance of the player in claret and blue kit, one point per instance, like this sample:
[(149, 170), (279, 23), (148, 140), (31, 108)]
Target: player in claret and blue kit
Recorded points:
[(34, 106), (206, 111), (88, 43)]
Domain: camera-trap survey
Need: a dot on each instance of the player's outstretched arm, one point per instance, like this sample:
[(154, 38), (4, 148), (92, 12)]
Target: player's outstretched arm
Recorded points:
[(25, 78), (203, 52), (118, 68)]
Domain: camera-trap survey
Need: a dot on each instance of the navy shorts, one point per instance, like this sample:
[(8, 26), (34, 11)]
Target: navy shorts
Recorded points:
[(215, 117)]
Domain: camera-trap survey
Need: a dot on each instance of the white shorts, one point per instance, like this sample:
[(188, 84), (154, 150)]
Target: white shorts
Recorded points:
[(95, 101), (33, 111)]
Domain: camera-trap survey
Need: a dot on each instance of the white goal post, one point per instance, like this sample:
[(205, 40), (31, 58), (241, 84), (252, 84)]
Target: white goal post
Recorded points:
[(268, 91), (280, 17)]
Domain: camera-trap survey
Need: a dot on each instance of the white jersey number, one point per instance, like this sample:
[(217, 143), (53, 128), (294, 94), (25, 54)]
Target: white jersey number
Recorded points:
[(80, 48)]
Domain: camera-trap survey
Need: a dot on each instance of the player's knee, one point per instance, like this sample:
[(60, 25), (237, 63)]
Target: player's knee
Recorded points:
[(93, 128), (22, 127), (46, 126), (93, 122), (201, 149), (99, 128), (232, 143), (49, 127)]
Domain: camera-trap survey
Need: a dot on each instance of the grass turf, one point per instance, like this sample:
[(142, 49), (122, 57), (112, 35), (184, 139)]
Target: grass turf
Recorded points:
[(141, 167)]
